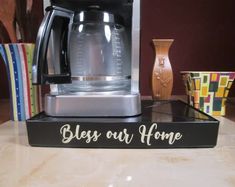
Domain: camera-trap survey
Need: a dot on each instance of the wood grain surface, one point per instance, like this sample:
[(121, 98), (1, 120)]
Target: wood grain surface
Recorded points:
[(7, 17)]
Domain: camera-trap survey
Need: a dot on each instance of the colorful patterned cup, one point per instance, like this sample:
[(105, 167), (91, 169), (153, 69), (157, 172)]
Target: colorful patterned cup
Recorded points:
[(208, 91), (25, 98)]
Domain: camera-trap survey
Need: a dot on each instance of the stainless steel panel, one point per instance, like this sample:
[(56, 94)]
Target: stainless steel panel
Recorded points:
[(135, 47), (126, 104)]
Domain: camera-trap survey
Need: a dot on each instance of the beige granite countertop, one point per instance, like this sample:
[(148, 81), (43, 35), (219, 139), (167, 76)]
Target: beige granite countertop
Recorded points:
[(25, 166)]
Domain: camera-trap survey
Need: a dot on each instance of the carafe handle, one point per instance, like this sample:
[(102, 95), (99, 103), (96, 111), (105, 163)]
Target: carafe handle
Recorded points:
[(40, 68)]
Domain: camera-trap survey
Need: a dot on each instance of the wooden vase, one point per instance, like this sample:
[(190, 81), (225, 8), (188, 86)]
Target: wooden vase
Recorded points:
[(162, 75)]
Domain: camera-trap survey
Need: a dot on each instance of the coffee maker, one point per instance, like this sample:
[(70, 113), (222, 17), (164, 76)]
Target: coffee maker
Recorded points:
[(88, 52)]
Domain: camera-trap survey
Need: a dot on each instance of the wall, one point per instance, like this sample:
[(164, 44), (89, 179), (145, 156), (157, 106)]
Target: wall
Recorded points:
[(204, 33)]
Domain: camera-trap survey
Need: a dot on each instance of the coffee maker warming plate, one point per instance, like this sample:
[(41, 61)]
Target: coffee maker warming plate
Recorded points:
[(92, 105)]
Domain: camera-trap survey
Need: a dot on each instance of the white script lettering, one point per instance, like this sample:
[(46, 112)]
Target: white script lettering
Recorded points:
[(122, 136), (69, 135), (147, 134)]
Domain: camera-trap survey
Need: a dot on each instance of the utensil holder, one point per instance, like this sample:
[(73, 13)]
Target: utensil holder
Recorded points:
[(25, 99), (208, 91)]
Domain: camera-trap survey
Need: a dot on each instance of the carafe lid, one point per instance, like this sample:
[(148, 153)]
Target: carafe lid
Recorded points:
[(94, 15)]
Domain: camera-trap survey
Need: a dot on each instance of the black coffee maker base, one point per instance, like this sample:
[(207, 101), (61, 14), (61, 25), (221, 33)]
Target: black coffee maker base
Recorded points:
[(165, 124)]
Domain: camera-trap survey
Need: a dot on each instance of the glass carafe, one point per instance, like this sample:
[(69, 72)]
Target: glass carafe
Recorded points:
[(99, 54)]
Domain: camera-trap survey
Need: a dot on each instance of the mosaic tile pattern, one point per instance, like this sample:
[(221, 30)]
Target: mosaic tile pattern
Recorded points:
[(25, 98), (208, 91)]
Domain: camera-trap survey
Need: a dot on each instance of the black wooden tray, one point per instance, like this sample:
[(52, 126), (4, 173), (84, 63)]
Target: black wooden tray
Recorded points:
[(165, 124)]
